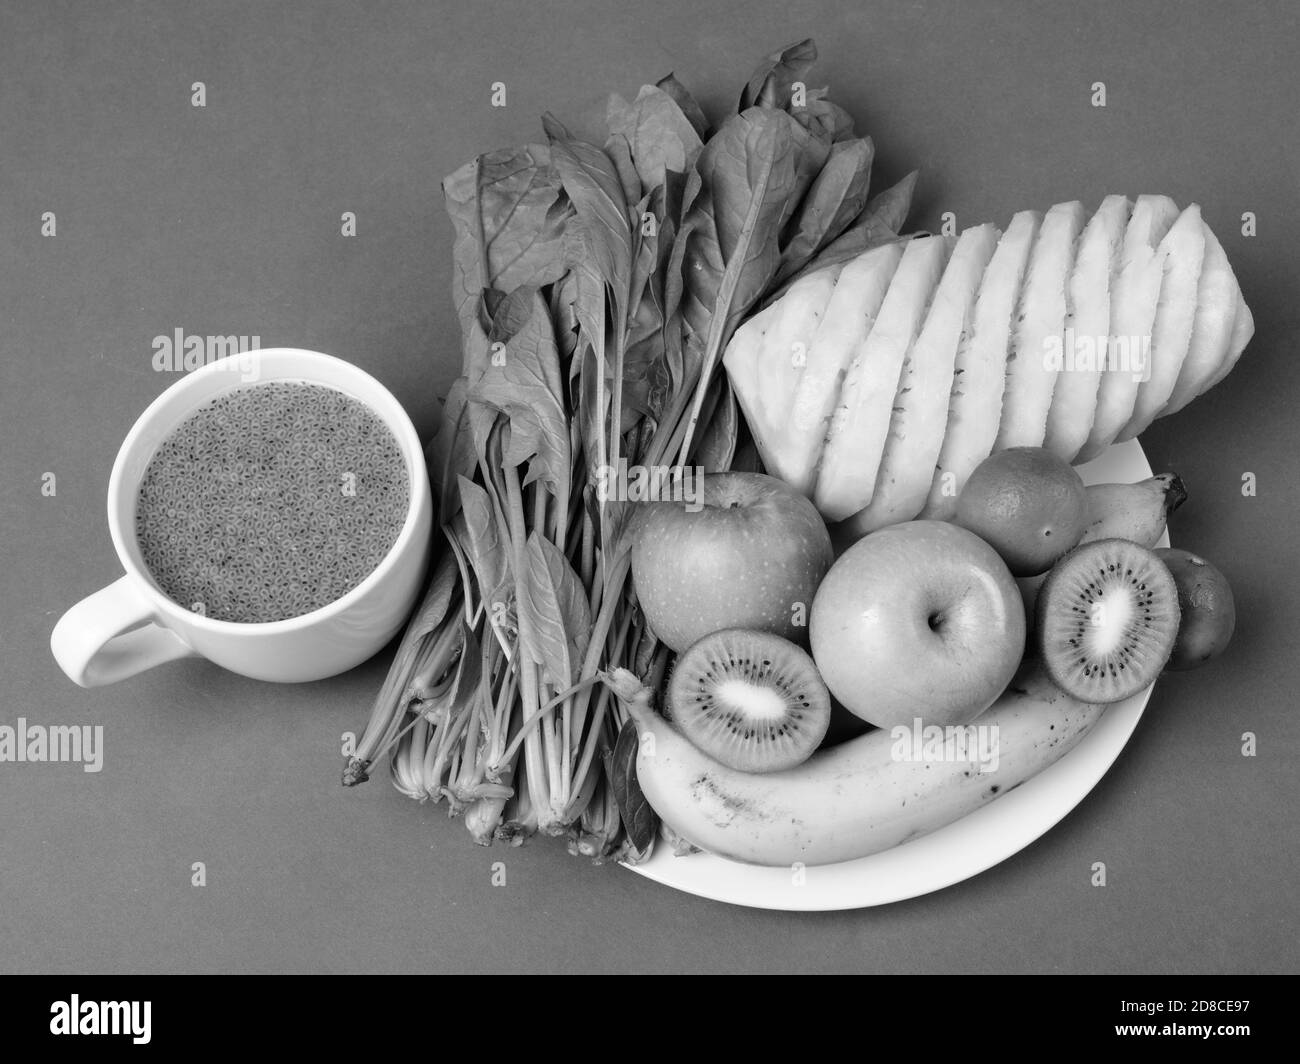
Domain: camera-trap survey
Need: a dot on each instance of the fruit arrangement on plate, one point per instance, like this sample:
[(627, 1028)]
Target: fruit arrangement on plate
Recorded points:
[(761, 515), (919, 630)]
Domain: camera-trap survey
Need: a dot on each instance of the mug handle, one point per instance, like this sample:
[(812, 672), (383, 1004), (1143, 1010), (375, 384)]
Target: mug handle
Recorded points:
[(92, 645)]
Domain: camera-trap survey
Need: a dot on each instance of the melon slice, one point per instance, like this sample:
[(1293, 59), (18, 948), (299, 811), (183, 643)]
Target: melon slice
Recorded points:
[(845, 324), (855, 442), (1135, 294), (766, 359), (1243, 328), (1217, 295), (1033, 362), (975, 405), (1184, 248), (1087, 324), (920, 412)]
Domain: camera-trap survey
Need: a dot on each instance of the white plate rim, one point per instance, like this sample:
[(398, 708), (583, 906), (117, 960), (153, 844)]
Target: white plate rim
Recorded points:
[(959, 851)]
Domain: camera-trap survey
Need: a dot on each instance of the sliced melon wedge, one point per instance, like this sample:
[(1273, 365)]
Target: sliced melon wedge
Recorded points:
[(920, 411), (1135, 295), (1243, 328), (1217, 295), (979, 375), (1171, 335), (1087, 324), (844, 327), (855, 442), (766, 359), (1033, 363)]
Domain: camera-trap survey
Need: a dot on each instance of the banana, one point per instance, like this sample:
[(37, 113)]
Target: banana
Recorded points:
[(1136, 512), (858, 798)]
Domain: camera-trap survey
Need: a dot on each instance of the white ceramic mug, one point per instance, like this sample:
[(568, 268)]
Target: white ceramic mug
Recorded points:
[(132, 625)]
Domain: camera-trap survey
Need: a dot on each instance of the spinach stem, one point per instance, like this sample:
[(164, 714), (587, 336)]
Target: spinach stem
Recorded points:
[(538, 777), (543, 709)]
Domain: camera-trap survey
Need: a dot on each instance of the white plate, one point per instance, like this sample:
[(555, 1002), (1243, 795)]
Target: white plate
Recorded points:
[(962, 849)]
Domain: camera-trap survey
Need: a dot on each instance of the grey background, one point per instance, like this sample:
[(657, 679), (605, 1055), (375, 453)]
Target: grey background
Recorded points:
[(226, 220)]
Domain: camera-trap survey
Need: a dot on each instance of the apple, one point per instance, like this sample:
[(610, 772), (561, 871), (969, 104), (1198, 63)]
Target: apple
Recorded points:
[(748, 553), (918, 620)]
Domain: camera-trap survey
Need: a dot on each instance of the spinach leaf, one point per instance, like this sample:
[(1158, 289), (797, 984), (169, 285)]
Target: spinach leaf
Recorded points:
[(660, 135), (619, 150), (560, 298), (600, 221), (748, 173), (519, 376), (639, 819), (686, 102), (645, 357), (820, 115), (469, 668), (877, 224), (451, 451), (837, 196), (812, 146), (770, 84), (437, 599), (509, 211), (891, 207), (646, 265), (487, 553), (593, 407), (717, 445), (556, 605), (752, 175), (599, 250)]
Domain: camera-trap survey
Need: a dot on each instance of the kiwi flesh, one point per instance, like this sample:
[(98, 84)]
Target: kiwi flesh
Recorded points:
[(752, 700), (1107, 618)]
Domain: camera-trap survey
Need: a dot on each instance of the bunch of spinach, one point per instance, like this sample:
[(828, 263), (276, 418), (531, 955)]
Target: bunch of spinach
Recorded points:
[(596, 287)]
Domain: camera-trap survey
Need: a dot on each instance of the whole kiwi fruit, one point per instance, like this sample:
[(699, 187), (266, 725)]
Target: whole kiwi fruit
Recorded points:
[(1209, 612)]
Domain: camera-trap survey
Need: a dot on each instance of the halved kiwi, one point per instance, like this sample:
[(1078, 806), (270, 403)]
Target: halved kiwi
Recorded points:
[(753, 700), (1107, 618)]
